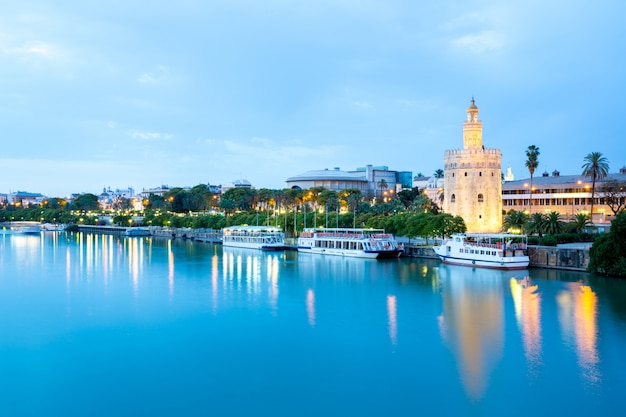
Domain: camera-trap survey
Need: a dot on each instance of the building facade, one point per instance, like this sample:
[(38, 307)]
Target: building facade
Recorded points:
[(473, 179), (566, 194), (331, 179)]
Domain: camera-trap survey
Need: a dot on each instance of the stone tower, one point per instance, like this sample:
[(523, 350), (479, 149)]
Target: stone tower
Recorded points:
[(473, 179)]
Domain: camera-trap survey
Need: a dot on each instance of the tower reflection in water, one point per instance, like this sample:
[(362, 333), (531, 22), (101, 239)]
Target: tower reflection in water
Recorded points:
[(472, 322)]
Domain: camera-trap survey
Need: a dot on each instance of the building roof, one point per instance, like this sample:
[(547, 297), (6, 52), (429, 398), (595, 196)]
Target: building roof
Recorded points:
[(27, 194), (327, 175)]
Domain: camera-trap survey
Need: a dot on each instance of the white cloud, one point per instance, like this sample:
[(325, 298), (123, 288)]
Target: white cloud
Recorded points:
[(136, 134), (481, 42), (362, 104), (160, 75)]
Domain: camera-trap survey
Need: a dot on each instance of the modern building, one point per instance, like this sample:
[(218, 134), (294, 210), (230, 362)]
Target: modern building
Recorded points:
[(473, 179), (566, 194), (373, 181), (331, 179)]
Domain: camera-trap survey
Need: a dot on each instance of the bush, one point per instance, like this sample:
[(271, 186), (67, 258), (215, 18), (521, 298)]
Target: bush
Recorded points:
[(608, 253)]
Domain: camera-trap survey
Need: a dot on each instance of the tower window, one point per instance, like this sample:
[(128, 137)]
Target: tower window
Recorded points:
[(466, 174), (481, 198), (452, 198)]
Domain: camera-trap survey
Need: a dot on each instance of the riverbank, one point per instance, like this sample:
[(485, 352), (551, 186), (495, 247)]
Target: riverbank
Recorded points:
[(565, 257)]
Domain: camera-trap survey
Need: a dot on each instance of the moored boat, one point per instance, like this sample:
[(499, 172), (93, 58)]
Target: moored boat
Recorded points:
[(497, 250), (359, 243), (254, 237), (137, 231)]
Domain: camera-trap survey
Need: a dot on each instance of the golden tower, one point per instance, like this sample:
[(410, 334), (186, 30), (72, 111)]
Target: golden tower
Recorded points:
[(473, 179)]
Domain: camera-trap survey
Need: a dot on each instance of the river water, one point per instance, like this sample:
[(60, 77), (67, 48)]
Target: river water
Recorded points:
[(100, 325)]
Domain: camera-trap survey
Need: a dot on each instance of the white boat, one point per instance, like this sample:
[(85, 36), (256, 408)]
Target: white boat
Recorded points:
[(137, 231), (254, 237), (498, 250), (53, 227), (359, 243), (27, 230)]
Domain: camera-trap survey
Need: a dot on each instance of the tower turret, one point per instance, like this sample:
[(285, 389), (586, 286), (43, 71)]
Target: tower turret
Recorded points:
[(472, 129)]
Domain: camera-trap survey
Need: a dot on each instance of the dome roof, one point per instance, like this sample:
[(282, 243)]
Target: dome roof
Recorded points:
[(472, 106), (327, 174)]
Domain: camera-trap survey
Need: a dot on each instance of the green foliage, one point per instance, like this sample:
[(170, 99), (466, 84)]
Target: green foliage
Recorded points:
[(549, 240), (608, 253), (85, 202), (515, 221), (553, 223)]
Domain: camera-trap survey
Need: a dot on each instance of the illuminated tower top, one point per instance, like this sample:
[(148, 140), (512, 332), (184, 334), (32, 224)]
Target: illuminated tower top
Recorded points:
[(472, 129)]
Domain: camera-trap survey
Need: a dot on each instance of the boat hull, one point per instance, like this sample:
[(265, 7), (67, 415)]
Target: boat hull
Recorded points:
[(392, 254), (480, 263), (254, 245)]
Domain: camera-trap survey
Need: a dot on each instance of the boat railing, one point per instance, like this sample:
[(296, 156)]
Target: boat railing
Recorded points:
[(498, 245)]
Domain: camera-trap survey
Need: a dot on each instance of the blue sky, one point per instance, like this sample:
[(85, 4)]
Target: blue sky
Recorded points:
[(143, 93)]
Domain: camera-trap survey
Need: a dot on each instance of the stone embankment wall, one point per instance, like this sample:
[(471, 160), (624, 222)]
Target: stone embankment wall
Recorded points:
[(540, 256), (558, 258)]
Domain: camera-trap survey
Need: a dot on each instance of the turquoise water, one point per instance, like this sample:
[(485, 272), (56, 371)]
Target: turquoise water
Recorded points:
[(97, 325)]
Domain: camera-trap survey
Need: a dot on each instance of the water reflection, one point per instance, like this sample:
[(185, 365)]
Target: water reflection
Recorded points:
[(310, 306), (392, 313), (577, 317), (472, 322), (250, 272), (526, 300)]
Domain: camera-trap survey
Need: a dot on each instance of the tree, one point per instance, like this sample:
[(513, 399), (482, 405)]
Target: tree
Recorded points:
[(608, 253), (438, 173), (532, 153), (536, 224), (382, 184), (86, 202), (515, 221), (553, 223), (596, 167), (614, 194), (580, 222), (422, 204), (445, 225)]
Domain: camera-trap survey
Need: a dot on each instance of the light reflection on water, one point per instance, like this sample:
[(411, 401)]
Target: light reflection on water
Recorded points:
[(472, 322), (371, 321)]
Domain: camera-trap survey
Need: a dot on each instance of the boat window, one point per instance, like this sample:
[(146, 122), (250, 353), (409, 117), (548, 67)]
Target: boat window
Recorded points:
[(458, 239)]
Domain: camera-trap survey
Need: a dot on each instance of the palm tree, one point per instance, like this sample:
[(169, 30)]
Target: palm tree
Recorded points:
[(532, 163), (515, 221), (553, 224), (596, 167), (536, 224), (382, 184), (580, 222), (439, 173)]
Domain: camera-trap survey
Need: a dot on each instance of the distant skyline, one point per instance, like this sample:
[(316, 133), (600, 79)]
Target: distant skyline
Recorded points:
[(143, 93)]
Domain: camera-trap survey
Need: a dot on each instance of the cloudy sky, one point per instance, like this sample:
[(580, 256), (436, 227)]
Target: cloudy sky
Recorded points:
[(142, 93)]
